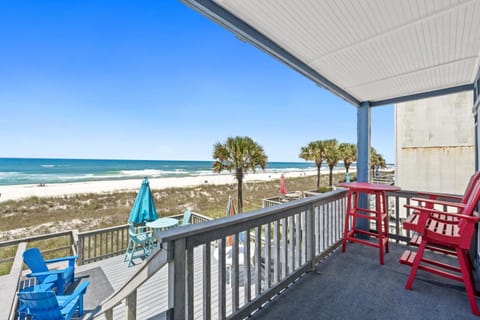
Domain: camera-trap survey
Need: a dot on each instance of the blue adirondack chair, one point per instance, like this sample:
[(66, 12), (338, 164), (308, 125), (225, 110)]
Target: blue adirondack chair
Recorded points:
[(46, 305), (62, 277), (186, 218), (22, 310), (140, 243)]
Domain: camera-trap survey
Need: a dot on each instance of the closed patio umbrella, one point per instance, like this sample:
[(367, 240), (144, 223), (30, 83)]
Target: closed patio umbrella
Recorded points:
[(283, 187), (143, 209), (230, 212), (230, 207)]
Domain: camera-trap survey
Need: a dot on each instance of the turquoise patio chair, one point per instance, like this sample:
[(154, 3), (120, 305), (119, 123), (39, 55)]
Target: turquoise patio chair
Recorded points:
[(140, 243), (186, 218), (43, 305), (62, 277)]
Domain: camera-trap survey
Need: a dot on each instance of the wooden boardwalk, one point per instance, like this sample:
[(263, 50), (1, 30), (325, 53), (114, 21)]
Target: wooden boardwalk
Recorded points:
[(152, 296)]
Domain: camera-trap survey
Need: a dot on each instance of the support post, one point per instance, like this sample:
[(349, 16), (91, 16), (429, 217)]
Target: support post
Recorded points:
[(363, 155), (132, 305), (474, 251), (176, 279)]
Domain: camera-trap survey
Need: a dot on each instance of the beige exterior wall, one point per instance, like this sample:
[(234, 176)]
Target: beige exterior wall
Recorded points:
[(435, 143)]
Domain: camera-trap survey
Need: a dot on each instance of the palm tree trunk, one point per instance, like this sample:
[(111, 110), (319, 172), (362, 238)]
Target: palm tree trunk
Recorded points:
[(330, 178), (318, 177), (240, 195)]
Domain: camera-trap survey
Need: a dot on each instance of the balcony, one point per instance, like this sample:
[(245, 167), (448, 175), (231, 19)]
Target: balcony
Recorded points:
[(287, 265)]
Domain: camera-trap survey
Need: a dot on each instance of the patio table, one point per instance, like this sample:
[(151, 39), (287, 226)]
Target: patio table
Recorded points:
[(379, 215), (162, 224)]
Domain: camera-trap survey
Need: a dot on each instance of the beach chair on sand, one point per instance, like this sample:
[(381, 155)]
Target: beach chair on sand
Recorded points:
[(46, 305), (140, 243), (61, 277)]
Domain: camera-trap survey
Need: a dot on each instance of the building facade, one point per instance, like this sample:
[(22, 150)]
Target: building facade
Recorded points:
[(435, 144)]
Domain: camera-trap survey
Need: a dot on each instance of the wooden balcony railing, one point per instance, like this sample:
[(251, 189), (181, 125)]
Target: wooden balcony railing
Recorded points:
[(270, 248)]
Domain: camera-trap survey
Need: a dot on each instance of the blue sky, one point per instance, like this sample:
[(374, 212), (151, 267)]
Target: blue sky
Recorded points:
[(153, 80)]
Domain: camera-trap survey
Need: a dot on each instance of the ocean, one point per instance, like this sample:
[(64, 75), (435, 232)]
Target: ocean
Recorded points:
[(14, 171)]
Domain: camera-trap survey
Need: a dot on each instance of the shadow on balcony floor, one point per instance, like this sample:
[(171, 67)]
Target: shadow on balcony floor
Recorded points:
[(353, 285)]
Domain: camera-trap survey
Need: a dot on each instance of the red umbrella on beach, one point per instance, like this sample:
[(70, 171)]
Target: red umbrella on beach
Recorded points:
[(283, 187)]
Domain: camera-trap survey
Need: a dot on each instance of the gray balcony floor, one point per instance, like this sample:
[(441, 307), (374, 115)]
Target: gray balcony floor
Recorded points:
[(353, 285)]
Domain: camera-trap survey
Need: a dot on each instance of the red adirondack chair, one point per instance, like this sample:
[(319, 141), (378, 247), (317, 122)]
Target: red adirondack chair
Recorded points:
[(411, 223), (449, 230)]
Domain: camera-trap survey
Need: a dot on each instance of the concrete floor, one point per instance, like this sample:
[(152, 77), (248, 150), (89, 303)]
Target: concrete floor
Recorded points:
[(353, 285)]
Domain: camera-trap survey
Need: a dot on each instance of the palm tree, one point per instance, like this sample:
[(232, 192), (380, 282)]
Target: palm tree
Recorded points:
[(348, 153), (332, 155), (314, 151), (239, 154), (376, 160)]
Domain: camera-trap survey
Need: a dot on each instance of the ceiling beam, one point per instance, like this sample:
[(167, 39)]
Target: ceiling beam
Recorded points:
[(422, 95)]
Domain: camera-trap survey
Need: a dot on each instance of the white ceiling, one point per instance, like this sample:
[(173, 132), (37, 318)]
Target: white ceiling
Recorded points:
[(373, 50)]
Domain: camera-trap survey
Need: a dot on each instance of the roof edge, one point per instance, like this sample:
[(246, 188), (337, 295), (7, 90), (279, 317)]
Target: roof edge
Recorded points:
[(246, 33), (423, 95)]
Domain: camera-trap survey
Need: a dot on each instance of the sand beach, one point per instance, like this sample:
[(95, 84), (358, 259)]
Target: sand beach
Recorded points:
[(17, 192)]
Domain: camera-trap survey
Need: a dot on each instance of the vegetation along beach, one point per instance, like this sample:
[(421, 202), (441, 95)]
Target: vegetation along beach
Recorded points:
[(39, 208)]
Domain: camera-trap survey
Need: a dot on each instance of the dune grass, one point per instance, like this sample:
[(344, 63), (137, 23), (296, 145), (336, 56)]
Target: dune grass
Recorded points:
[(85, 212)]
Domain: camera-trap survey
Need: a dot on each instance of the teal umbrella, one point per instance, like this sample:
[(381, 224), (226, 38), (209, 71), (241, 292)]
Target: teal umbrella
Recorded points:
[(144, 207)]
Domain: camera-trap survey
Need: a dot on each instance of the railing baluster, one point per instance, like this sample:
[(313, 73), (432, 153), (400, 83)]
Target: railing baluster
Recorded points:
[(267, 256), (304, 237), (207, 285), (234, 273), (298, 232), (328, 231), (89, 246), (276, 251), (310, 245), (112, 241), (101, 244), (95, 246), (258, 261), (247, 270), (221, 279), (190, 291), (285, 248), (291, 242)]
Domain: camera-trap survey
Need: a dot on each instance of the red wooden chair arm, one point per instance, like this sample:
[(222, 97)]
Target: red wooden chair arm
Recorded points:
[(428, 212), (439, 202), (434, 196)]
